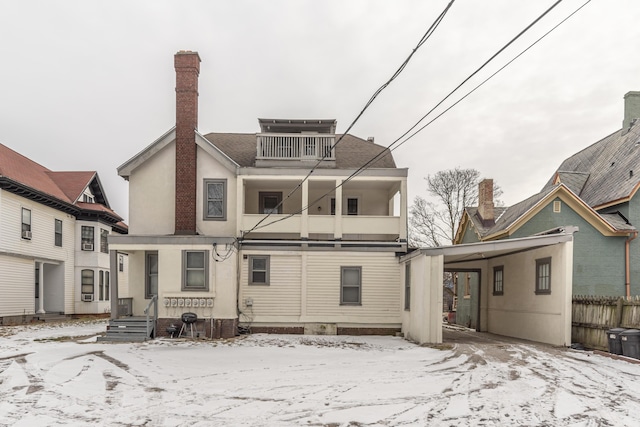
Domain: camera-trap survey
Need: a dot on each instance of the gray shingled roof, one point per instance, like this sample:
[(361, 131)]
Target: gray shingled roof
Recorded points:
[(611, 164), (351, 153)]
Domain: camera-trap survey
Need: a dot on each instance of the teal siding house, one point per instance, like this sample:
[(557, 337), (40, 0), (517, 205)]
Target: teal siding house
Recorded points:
[(593, 194)]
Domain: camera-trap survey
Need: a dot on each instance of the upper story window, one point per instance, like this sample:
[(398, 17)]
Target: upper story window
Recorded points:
[(58, 232), (270, 202), (104, 246), (26, 223), (87, 238), (352, 206), (215, 199)]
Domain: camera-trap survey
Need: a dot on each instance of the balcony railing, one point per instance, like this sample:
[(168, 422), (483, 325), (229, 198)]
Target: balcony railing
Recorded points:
[(295, 147)]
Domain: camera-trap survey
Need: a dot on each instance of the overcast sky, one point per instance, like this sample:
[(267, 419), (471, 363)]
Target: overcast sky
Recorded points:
[(88, 84)]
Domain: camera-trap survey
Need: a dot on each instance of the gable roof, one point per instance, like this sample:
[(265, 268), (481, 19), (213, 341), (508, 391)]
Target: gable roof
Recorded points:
[(513, 217), (60, 190), (605, 173), (241, 149)]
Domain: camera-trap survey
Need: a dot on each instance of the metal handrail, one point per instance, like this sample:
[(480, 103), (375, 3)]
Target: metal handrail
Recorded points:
[(154, 301)]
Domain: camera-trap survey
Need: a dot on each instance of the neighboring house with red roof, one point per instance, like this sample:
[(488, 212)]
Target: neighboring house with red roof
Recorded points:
[(236, 229), (594, 192), (54, 256)]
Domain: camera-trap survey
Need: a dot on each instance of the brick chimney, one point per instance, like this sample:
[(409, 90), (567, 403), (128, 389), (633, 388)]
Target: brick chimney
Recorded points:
[(631, 109), (187, 65), (485, 201)]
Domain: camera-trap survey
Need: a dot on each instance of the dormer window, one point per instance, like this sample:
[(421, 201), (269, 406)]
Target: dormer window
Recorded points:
[(88, 198)]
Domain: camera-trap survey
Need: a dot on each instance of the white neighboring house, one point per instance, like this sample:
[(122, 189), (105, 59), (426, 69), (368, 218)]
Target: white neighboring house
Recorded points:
[(225, 226), (53, 246)]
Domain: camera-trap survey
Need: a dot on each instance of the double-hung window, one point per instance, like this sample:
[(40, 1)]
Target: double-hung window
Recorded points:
[(104, 246), (195, 270), (259, 269), (407, 286), (58, 232), (543, 276), (498, 280), (87, 282), (26, 223), (151, 274), (350, 285), (87, 238), (215, 199)]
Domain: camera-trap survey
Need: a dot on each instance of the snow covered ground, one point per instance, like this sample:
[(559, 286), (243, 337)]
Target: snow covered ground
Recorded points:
[(59, 375)]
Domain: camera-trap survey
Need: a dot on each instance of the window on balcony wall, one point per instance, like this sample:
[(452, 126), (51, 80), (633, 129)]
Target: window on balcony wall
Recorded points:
[(104, 246), (270, 202), (543, 276), (350, 285), (332, 207), (498, 280), (195, 267), (87, 238), (151, 274), (215, 199), (58, 232), (87, 282), (259, 269), (26, 223), (352, 206)]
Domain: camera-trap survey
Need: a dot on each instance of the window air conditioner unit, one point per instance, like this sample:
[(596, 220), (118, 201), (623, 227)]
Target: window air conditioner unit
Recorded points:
[(87, 246), (87, 297), (26, 235)]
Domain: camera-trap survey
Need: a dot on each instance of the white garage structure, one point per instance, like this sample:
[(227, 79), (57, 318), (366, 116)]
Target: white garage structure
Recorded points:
[(523, 310)]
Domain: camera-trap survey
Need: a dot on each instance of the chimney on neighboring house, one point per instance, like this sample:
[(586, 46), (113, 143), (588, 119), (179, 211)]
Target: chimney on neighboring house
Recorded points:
[(187, 65), (485, 201), (631, 109)]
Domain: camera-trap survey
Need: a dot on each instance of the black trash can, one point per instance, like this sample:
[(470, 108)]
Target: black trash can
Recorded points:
[(615, 344), (630, 343)]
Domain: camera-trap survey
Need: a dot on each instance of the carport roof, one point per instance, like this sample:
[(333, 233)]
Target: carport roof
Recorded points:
[(485, 250)]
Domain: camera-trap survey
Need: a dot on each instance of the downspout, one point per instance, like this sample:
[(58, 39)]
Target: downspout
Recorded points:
[(627, 272)]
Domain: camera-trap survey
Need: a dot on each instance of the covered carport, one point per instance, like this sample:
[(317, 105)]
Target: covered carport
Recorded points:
[(533, 301)]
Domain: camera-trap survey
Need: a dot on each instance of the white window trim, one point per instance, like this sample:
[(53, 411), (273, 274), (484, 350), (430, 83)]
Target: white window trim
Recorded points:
[(267, 281), (205, 200)]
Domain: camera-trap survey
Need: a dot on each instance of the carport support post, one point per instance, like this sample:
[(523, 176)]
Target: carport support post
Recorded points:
[(113, 294), (435, 272)]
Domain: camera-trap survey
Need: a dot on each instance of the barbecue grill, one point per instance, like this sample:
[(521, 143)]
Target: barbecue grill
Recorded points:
[(188, 319)]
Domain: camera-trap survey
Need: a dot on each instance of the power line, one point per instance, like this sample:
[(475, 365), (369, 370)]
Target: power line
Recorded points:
[(388, 149), (422, 41)]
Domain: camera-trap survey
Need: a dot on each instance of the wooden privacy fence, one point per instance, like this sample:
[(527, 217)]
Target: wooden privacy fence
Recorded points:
[(593, 316)]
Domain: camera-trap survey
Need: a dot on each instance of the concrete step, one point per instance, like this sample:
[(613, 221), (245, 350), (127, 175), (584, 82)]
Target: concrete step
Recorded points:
[(126, 330)]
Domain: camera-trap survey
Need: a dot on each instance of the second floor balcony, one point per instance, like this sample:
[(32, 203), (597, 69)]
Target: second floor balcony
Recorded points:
[(285, 149), (324, 209)]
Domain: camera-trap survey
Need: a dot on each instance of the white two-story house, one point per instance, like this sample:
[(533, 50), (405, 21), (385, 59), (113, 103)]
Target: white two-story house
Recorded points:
[(278, 230), (54, 257)]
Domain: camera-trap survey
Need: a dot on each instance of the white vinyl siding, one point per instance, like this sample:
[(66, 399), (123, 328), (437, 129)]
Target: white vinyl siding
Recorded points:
[(380, 285), (17, 276), (42, 244), (282, 296)]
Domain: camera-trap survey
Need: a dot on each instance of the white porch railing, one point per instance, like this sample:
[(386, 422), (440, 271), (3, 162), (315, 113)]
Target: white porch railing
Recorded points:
[(295, 146)]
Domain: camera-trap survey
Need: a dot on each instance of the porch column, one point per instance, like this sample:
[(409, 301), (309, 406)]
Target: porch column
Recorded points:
[(304, 226), (113, 294), (41, 289), (239, 205), (403, 210), (337, 234)]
